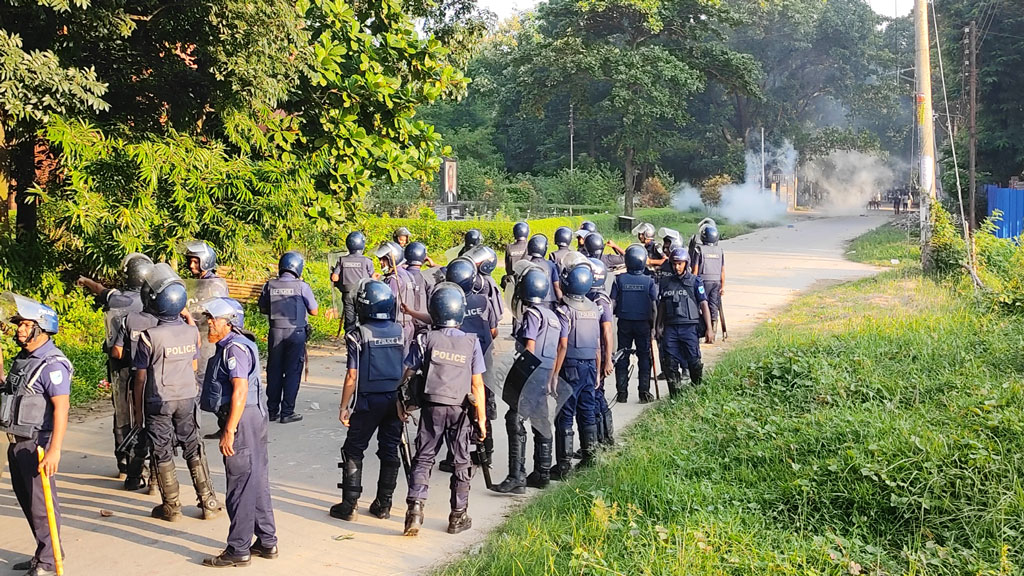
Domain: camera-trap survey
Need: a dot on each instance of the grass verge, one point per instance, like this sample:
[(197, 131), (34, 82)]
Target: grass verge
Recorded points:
[(874, 428), (883, 245)]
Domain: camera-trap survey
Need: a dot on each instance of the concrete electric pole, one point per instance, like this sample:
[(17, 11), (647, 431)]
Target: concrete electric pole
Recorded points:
[(926, 125)]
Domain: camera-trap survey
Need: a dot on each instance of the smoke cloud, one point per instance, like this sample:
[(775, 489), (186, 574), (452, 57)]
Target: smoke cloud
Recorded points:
[(686, 198), (847, 179)]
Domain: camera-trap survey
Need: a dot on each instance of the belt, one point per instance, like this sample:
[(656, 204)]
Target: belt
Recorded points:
[(15, 439)]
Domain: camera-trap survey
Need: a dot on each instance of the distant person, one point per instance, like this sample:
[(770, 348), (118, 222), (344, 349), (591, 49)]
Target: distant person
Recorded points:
[(563, 236), (897, 202), (348, 272), (710, 268)]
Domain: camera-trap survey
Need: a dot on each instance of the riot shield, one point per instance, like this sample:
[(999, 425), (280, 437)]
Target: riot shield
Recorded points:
[(452, 253), (200, 290), (432, 277), (512, 285), (337, 303)]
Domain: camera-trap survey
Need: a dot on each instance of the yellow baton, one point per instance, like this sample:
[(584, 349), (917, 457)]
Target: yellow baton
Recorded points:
[(51, 516)]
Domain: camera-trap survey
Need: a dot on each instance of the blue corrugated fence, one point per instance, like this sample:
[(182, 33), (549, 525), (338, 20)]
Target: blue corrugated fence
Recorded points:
[(1011, 203)]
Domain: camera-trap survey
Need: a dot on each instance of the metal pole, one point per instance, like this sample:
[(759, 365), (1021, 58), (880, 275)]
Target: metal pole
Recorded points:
[(764, 183), (926, 128), (572, 137), (972, 169)]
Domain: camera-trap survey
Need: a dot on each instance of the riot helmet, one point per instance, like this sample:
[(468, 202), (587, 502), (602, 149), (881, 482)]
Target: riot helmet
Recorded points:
[(537, 246), (534, 286), (15, 308), (355, 242), (520, 231), (636, 258), (203, 253), (415, 253), (484, 257), (169, 301), (573, 259), (136, 268), (374, 301), (392, 253), (158, 281), (599, 272), (563, 235), (291, 262), (594, 244), (588, 226), (402, 232), (447, 306), (472, 237), (462, 272), (709, 235), (224, 307), (577, 281), (680, 255), (643, 231)]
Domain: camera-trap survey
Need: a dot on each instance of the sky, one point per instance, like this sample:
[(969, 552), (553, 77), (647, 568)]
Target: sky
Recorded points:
[(504, 8)]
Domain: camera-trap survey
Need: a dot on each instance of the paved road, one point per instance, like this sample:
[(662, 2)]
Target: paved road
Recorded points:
[(765, 270)]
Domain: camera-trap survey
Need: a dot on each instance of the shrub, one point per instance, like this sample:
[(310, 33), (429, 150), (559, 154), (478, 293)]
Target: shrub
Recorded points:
[(711, 190), (949, 252), (653, 193)]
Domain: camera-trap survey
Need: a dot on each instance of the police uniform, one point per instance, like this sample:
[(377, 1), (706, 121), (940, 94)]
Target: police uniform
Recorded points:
[(412, 294), (375, 351), (557, 256), (552, 269), (451, 358), (541, 325), (117, 304), (351, 269), (416, 294), (712, 262), (208, 285), (602, 414), (679, 300), (514, 253), (247, 472), (634, 296), (481, 318), (27, 417), (653, 253), (132, 327), (580, 325), (286, 300)]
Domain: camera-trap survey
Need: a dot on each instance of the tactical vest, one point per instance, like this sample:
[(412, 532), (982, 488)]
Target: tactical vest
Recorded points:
[(633, 297), (217, 385), (711, 262), (584, 328), (475, 321), (415, 290), (557, 256), (546, 344), (602, 300), (380, 356), (493, 294), (680, 298), (23, 410), (119, 306), (516, 252), (170, 375), (353, 269), (546, 266), (134, 325), (449, 367), (287, 306)]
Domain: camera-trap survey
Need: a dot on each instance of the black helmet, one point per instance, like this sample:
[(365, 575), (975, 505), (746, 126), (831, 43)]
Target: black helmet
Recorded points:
[(403, 231), (600, 273), (520, 230), (636, 258), (204, 253), (537, 246), (415, 253), (136, 268), (170, 300), (577, 281), (484, 257), (594, 244), (588, 226), (447, 306), (355, 242), (292, 262), (534, 286), (375, 301), (461, 271), (472, 237), (680, 255), (709, 235), (563, 235)]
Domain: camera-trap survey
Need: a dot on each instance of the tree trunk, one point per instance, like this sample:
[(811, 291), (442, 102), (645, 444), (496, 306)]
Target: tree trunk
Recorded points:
[(627, 203), (23, 170), (6, 194)]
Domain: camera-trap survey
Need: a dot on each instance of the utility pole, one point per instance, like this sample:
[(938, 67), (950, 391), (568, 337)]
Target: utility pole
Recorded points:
[(572, 138), (973, 119), (926, 126), (764, 182)]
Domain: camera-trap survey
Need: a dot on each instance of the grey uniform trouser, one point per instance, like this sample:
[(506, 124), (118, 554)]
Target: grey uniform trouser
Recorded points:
[(28, 488), (247, 497), (450, 425)]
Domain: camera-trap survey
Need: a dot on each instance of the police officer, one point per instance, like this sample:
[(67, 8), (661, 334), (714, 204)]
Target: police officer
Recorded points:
[(635, 295), (538, 334), (486, 259), (471, 238), (563, 235), (579, 351), (593, 246), (602, 412), (401, 236), (682, 312), (117, 304), (516, 251), (416, 296), (374, 373), (586, 227), (454, 365), (391, 257), (201, 260), (537, 251), (348, 271), (232, 390), (165, 385), (645, 236), (710, 267), (34, 402), (286, 300)]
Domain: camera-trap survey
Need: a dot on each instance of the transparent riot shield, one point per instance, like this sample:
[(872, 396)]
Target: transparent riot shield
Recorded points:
[(527, 386), (200, 290), (432, 277), (452, 253)]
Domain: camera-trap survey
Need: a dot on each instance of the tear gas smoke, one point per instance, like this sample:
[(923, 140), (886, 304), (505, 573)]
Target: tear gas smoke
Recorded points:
[(847, 179)]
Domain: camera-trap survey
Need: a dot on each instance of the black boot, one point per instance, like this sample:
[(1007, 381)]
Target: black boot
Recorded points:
[(206, 499), (167, 480), (413, 518), (459, 521), (133, 477), (541, 475), (351, 489), (647, 397), (515, 483), (588, 443), (122, 459), (563, 454), (609, 428), (153, 474), (697, 374), (386, 484)]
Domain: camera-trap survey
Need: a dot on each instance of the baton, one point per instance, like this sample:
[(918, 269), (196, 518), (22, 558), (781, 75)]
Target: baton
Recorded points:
[(721, 314), (406, 454), (51, 516), (654, 370)]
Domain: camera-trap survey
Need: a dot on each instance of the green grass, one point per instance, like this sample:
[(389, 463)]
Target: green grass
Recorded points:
[(874, 428), (883, 245)]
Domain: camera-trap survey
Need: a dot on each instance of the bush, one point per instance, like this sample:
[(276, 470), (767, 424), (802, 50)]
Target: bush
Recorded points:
[(949, 252), (653, 193), (711, 190)]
